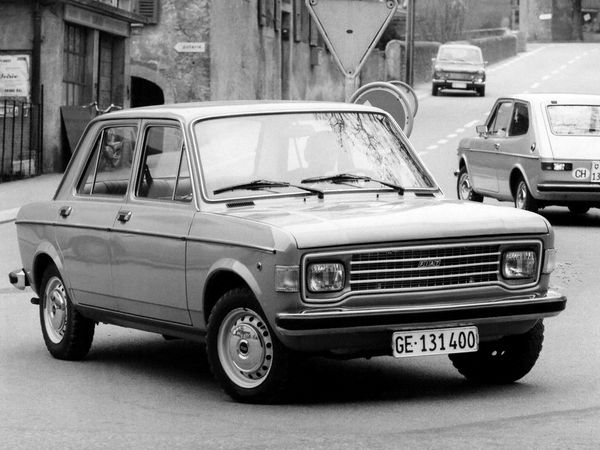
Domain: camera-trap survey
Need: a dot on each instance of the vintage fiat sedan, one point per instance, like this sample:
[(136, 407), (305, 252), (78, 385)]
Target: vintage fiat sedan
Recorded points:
[(536, 150), (273, 230)]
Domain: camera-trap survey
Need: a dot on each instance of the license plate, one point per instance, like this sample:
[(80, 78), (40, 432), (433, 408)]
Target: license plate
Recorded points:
[(459, 85), (595, 177), (440, 341)]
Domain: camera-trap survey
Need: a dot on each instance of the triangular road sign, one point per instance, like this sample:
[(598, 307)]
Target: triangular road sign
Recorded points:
[(351, 28)]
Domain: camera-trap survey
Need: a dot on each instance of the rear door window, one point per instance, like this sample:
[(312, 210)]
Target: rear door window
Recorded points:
[(108, 170)]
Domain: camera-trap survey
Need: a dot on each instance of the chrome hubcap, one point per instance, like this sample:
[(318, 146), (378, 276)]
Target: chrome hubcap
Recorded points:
[(521, 195), (464, 187), (245, 348), (55, 310)]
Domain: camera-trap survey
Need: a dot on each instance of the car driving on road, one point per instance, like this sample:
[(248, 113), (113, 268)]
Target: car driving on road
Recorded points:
[(536, 150), (458, 66), (273, 230)]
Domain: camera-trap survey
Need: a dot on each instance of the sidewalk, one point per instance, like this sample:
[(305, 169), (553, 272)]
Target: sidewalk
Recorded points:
[(14, 194)]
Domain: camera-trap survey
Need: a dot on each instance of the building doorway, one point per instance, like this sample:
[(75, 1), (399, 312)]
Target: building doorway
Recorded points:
[(145, 93)]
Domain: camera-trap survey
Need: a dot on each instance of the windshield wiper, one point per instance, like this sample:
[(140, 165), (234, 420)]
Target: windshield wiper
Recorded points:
[(345, 177), (265, 184)]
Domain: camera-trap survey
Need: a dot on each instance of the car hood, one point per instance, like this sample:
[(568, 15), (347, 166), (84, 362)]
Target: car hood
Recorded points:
[(353, 223), (575, 147), (458, 67)]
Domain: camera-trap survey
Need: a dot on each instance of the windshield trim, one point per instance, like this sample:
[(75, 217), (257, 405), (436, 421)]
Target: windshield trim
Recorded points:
[(257, 196)]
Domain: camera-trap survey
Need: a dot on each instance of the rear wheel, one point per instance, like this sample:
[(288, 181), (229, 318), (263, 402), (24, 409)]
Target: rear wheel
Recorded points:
[(503, 361), (464, 189), (67, 334), (245, 356), (579, 209), (523, 198)]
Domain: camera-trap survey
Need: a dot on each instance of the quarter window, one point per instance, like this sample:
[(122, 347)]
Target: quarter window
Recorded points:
[(164, 172), (109, 168)]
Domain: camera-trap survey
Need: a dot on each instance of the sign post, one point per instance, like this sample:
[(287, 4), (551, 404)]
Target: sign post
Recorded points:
[(351, 29)]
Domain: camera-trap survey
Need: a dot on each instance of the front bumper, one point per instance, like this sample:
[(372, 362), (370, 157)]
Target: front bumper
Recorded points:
[(451, 84), (327, 329), (18, 278)]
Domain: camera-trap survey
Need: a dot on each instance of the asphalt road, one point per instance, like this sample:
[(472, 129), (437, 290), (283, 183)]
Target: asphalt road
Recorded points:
[(136, 390)]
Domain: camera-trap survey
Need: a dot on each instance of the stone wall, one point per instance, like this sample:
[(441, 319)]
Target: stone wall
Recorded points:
[(183, 76)]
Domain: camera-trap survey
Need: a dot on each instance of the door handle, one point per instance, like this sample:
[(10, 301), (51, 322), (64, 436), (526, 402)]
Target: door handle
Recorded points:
[(497, 146), (65, 211), (124, 216)]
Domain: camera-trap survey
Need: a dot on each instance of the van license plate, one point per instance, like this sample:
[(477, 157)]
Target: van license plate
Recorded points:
[(439, 341)]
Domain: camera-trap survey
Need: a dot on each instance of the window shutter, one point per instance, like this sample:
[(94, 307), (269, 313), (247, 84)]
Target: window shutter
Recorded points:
[(148, 8)]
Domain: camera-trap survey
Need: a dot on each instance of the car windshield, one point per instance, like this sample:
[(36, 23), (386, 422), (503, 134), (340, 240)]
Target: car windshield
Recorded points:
[(460, 54), (580, 120), (298, 149)]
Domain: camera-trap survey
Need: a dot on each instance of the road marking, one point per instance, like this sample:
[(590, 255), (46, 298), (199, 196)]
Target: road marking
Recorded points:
[(554, 72), (564, 66), (459, 130), (471, 123), (442, 141), (571, 61), (452, 135), (422, 153), (432, 147), (545, 77), (535, 85)]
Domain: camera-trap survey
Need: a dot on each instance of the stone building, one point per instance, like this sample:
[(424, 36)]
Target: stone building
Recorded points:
[(229, 50), (61, 54)]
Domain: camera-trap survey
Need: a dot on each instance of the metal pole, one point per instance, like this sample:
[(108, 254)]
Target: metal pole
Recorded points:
[(410, 43)]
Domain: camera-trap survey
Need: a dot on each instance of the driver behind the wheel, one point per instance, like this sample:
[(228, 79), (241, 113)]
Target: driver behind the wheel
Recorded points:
[(321, 154)]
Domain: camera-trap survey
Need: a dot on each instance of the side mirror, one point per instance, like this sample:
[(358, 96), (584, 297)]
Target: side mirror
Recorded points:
[(433, 60), (485, 63), (482, 130)]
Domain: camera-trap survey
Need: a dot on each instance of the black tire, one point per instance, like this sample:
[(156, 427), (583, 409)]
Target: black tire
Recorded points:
[(464, 189), (504, 361), (523, 198), (481, 91), (252, 344), (435, 90), (578, 209), (67, 334)]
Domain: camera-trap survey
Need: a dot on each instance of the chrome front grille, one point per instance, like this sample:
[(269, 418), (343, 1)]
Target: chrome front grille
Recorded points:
[(460, 76), (425, 267)]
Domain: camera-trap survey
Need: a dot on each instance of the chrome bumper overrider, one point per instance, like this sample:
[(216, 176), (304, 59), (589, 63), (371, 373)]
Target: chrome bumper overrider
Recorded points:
[(486, 310), (18, 278)]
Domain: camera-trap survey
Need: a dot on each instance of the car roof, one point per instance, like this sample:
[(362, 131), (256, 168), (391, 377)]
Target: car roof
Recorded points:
[(459, 45), (201, 110), (558, 98)]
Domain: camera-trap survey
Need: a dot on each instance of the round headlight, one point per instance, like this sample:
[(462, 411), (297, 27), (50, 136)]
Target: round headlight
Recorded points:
[(325, 277)]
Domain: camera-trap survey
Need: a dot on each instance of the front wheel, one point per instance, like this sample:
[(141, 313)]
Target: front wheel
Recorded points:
[(523, 198), (464, 189), (481, 91), (503, 361), (245, 356), (435, 90), (67, 334)]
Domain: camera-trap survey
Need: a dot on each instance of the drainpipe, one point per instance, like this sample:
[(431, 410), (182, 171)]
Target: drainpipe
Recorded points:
[(36, 52)]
